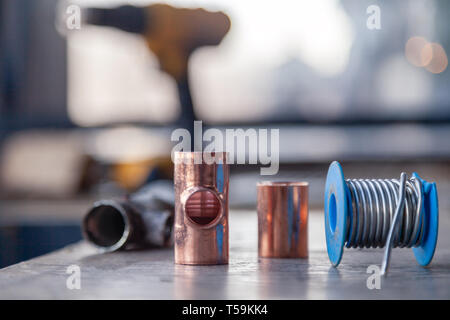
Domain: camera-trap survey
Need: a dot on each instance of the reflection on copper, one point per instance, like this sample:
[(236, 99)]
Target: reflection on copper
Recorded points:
[(283, 219), (201, 208)]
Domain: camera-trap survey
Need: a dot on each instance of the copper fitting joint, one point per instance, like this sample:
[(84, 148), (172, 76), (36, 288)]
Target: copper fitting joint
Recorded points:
[(201, 208), (283, 219)]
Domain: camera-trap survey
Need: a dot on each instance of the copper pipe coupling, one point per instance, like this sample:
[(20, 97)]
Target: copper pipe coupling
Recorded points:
[(201, 208), (283, 219)]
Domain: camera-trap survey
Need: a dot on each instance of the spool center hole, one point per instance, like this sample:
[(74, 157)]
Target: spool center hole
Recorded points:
[(332, 213)]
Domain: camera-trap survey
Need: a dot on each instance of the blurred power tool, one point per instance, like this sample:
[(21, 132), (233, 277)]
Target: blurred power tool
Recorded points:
[(172, 34)]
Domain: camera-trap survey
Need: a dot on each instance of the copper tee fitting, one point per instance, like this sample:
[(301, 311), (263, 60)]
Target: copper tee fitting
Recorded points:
[(201, 208), (283, 219)]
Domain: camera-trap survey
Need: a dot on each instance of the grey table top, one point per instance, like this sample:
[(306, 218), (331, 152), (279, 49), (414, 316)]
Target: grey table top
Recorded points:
[(152, 274)]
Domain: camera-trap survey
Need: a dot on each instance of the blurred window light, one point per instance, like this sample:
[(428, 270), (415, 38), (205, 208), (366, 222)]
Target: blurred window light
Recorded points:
[(127, 144), (290, 60), (236, 83), (401, 87), (113, 77)]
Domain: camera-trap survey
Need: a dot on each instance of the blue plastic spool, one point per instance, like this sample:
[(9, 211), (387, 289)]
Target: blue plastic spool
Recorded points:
[(337, 206)]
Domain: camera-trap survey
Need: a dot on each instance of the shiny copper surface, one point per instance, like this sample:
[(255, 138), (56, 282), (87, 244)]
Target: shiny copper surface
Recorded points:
[(283, 219), (201, 209)]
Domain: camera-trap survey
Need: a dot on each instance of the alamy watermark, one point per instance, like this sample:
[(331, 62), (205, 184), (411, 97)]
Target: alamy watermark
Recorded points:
[(374, 280), (74, 280), (73, 17), (374, 20), (250, 146)]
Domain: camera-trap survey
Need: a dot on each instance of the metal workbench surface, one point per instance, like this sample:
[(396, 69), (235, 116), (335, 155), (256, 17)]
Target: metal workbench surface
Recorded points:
[(151, 274)]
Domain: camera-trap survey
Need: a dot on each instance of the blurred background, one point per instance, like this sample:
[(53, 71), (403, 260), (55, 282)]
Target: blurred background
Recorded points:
[(91, 90)]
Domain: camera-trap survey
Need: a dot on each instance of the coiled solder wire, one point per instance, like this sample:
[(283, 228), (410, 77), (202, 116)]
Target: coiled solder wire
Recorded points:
[(385, 213)]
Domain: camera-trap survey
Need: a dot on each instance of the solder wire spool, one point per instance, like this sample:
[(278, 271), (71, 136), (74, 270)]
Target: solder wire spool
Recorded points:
[(364, 213)]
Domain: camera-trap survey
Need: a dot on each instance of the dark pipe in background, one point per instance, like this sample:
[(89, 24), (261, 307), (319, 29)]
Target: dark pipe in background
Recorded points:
[(142, 219)]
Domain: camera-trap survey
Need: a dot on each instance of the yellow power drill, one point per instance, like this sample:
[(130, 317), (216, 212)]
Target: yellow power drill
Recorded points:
[(172, 34)]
